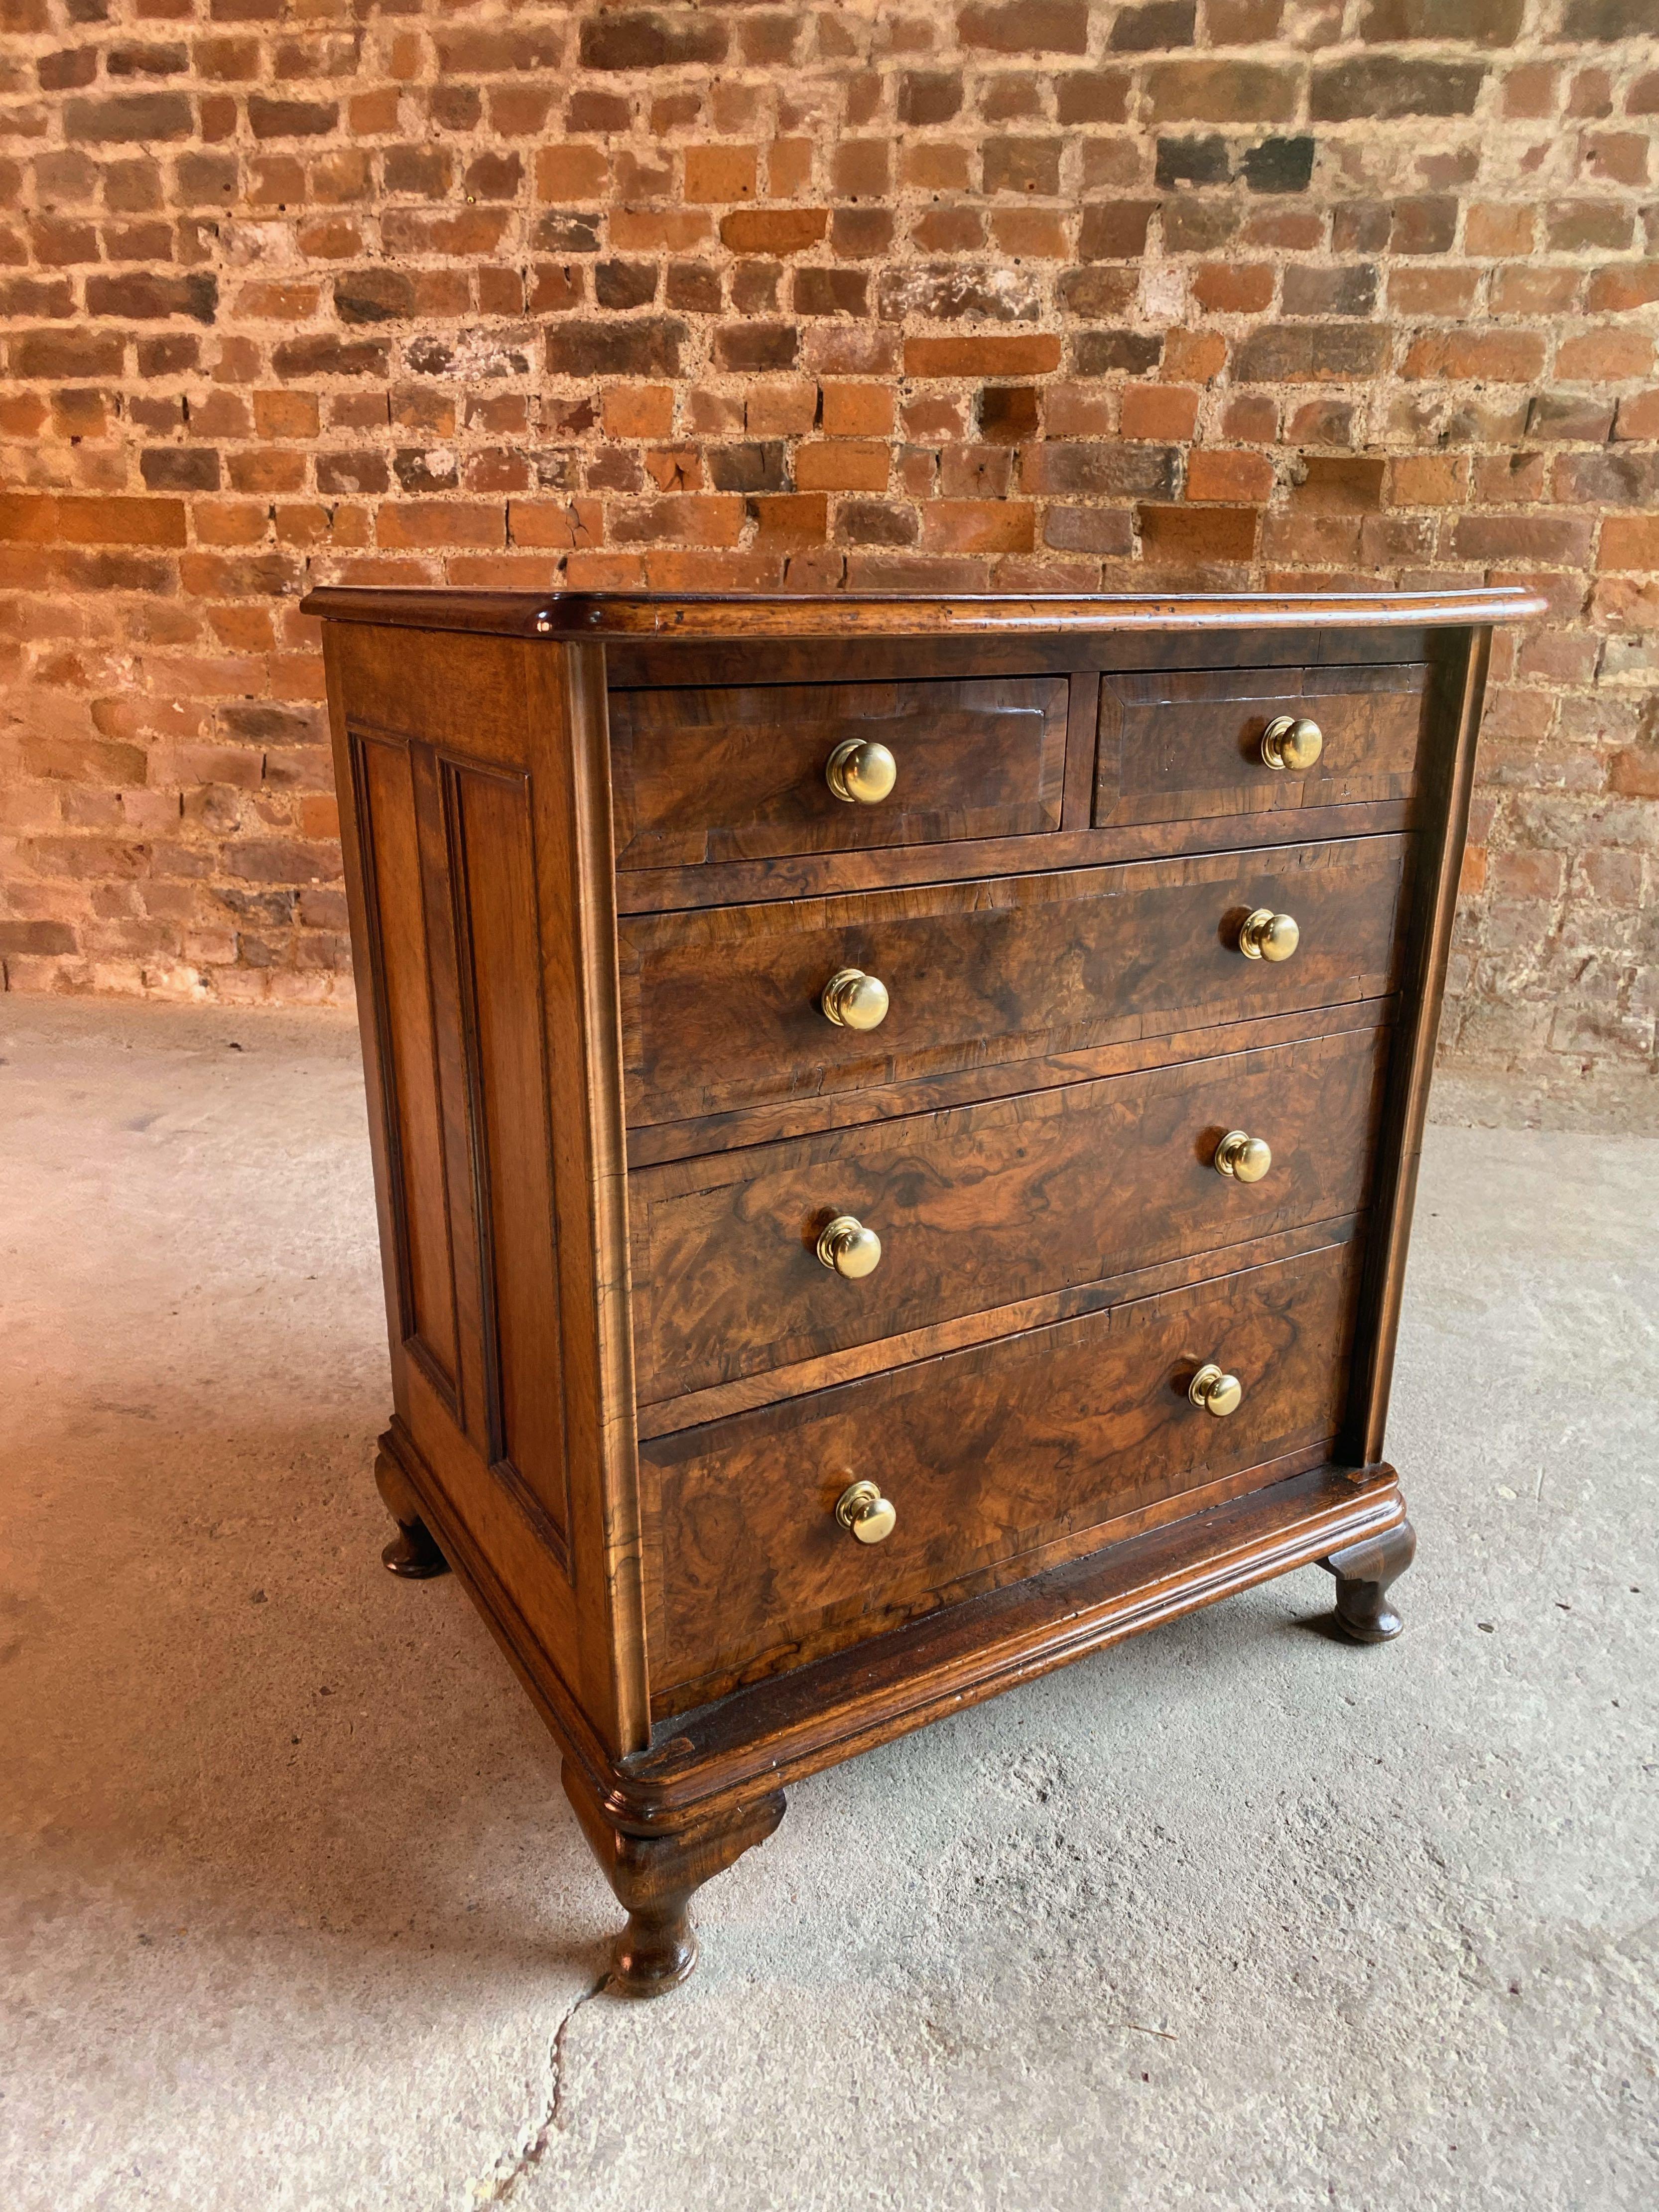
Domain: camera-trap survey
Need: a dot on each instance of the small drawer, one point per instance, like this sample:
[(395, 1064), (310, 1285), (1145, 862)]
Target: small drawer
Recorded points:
[(723, 1007), (985, 1205), (1182, 747), (745, 772), (988, 1456)]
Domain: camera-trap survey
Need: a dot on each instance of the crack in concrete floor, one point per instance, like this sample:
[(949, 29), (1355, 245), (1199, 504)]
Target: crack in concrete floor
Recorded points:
[(511, 2170), (292, 1914)]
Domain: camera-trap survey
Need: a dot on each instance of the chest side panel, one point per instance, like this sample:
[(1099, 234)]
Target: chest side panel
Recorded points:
[(475, 884)]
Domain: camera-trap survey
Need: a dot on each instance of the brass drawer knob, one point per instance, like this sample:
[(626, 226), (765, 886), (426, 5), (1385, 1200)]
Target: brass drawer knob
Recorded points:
[(1215, 1390), (1291, 741), (1265, 935), (849, 1248), (860, 771), (862, 1508), (1246, 1158), (853, 1001)]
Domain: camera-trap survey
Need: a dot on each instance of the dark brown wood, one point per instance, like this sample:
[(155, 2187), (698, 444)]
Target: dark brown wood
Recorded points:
[(1177, 746), (1454, 720), (478, 871), (989, 1455), (756, 619), (1052, 899), (825, 1370), (650, 1144), (655, 1877), (1364, 1573), (774, 1733), (720, 1008), (984, 1206), (822, 875), (413, 1553), (738, 773)]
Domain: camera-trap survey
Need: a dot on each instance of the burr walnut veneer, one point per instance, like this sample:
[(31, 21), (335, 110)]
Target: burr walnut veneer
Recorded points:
[(895, 1125)]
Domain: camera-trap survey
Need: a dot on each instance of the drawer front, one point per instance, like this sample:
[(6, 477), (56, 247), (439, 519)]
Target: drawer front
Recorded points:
[(986, 1454), (1182, 747), (738, 773), (720, 1007), (986, 1206)]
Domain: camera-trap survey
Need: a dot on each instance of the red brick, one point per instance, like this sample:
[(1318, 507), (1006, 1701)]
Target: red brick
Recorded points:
[(28, 518), (1629, 541), (1235, 477), (1185, 535), (975, 526), (986, 354), (1489, 357)]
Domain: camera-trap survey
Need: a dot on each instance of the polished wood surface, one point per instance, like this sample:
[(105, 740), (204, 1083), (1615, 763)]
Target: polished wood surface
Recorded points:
[(988, 1204), (755, 619), (737, 772), (1182, 745), (478, 870), (597, 885), (986, 1454), (720, 1007), (1363, 1573)]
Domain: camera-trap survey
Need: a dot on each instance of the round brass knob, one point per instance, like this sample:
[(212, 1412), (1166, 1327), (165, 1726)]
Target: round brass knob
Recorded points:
[(853, 1001), (849, 1248), (862, 1508), (1291, 741), (1265, 935), (1246, 1158), (860, 771), (1215, 1391)]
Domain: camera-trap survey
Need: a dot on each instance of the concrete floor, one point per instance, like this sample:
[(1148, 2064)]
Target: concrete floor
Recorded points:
[(295, 1915)]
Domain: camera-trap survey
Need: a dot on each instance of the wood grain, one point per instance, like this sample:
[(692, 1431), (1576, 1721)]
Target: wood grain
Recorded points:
[(1177, 746), (738, 773), (652, 1144), (1070, 1030), (986, 1454), (478, 868), (756, 619), (720, 1007), (986, 1205)]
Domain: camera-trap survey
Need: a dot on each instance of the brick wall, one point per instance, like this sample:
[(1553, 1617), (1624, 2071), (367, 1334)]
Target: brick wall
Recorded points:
[(1017, 293)]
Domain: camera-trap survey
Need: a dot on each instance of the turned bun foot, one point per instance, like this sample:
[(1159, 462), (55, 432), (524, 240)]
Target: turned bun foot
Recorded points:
[(413, 1552), (654, 1953), (1364, 1573), (653, 1877)]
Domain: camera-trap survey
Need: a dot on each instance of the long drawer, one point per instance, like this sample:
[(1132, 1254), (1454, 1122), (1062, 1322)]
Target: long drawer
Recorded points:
[(987, 1205), (986, 1454), (721, 1007)]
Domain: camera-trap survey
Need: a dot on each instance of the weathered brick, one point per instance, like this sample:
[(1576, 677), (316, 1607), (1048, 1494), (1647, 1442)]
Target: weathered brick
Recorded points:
[(648, 346), (773, 230), (1222, 92), (1480, 22), (1109, 470), (1315, 353), (641, 38), (756, 348), (1186, 536), (146, 117), (1026, 27), (1377, 88), (983, 355), (436, 382)]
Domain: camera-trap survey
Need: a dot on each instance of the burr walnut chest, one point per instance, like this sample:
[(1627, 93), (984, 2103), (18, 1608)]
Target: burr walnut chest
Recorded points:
[(894, 1126)]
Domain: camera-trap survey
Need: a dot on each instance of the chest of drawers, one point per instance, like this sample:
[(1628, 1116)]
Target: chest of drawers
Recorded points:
[(895, 1125)]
